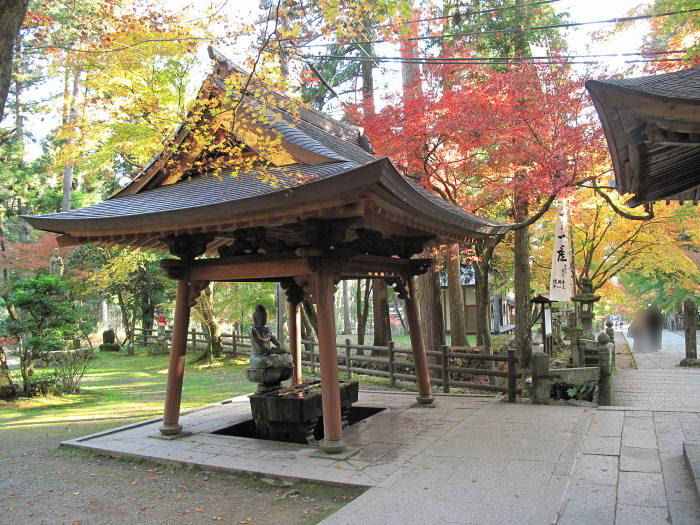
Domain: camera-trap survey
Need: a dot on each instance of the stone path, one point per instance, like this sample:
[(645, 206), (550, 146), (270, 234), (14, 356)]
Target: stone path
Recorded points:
[(671, 353), (469, 460), (658, 383), (631, 471), (503, 464)]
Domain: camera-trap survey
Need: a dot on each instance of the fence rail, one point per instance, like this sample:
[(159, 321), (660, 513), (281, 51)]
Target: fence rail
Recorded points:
[(351, 357)]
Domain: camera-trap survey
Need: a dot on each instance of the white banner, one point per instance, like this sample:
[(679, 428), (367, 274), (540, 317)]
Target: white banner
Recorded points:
[(560, 282)]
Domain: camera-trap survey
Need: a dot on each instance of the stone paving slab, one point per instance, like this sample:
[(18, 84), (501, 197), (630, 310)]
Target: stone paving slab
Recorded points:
[(638, 485), (483, 471)]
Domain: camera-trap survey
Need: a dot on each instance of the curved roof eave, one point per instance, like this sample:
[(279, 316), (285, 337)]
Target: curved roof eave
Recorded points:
[(378, 173)]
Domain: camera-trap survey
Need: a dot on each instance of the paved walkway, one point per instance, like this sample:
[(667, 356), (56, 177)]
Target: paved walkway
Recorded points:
[(469, 460), (631, 471), (658, 383), (671, 353)]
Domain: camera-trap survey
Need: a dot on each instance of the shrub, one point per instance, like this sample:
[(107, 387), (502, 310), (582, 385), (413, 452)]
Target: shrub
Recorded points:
[(70, 369)]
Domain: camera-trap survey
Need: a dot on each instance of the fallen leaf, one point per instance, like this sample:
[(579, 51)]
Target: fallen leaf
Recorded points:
[(198, 509), (135, 482), (153, 478)]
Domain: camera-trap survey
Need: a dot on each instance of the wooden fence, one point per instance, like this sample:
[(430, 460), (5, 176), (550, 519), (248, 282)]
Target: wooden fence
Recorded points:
[(390, 361)]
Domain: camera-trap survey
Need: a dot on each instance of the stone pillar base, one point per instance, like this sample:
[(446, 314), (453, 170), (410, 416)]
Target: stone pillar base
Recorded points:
[(170, 429), (330, 446), (425, 400)]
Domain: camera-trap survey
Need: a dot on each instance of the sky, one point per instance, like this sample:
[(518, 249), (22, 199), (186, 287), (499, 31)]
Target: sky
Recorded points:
[(580, 41)]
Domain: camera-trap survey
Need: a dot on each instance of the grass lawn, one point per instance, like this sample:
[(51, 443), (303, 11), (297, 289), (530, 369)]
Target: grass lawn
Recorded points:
[(119, 386)]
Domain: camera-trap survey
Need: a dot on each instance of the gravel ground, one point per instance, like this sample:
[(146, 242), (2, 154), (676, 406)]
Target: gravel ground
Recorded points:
[(41, 483)]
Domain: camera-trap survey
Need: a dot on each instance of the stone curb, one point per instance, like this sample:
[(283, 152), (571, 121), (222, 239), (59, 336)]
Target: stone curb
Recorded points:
[(691, 453)]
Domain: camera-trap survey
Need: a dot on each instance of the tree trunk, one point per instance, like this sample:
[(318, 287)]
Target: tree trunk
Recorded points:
[(148, 310), (310, 310), (380, 308), (523, 336), (397, 307), (12, 14), (432, 324), (367, 82), (458, 324), (362, 311), (70, 130), (205, 307), (483, 295), (347, 328)]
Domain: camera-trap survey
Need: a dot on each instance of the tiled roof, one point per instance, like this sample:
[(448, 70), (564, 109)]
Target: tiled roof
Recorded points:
[(206, 191), (683, 85)]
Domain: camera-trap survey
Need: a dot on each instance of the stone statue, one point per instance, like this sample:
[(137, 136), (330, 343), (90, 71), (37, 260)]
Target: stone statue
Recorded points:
[(109, 341), (56, 264), (270, 364)]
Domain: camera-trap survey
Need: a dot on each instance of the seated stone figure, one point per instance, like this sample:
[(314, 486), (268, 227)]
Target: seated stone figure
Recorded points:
[(270, 364)]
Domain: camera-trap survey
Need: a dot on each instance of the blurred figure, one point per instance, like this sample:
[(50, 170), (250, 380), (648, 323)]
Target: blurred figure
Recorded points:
[(655, 326), (638, 330)]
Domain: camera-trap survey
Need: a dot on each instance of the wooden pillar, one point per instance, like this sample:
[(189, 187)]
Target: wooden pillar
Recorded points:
[(330, 387), (294, 316), (416, 333), (176, 368)]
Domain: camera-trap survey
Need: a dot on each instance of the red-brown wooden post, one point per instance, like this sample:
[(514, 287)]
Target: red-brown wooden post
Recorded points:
[(328, 355), (176, 368), (294, 315), (417, 345)]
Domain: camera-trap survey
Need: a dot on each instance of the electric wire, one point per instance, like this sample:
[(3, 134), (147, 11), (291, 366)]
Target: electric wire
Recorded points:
[(513, 29)]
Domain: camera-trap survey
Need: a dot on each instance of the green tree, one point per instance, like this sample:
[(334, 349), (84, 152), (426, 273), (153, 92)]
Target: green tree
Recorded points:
[(43, 320)]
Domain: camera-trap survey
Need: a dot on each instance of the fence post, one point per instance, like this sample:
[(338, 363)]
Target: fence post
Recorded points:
[(690, 324), (605, 364), (445, 370), (511, 375), (540, 379), (194, 339), (392, 379), (348, 365), (610, 330), (312, 358)]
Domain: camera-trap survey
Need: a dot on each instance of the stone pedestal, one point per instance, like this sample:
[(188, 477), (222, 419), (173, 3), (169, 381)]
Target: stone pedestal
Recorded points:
[(293, 413)]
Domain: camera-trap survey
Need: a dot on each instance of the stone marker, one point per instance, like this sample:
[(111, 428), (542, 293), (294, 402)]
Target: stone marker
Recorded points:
[(109, 343)]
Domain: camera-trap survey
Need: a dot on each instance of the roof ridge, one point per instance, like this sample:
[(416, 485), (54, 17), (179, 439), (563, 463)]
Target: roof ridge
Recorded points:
[(218, 56)]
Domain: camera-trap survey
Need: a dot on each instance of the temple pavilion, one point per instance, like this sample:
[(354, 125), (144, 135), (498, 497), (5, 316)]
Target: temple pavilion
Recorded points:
[(319, 208), (652, 125)]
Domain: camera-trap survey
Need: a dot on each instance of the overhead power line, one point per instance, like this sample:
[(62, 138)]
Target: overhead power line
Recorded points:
[(459, 60), (467, 14), (522, 29)]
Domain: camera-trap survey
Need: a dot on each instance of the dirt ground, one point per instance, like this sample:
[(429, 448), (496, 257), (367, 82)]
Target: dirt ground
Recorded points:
[(41, 483)]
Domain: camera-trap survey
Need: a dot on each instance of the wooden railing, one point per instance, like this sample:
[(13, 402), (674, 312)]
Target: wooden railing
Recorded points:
[(391, 361)]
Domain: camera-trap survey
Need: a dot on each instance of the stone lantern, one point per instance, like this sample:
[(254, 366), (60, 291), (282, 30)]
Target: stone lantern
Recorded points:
[(586, 299)]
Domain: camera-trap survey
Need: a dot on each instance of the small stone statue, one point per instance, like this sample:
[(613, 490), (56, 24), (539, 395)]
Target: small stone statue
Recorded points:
[(270, 364), (56, 266), (109, 341)]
